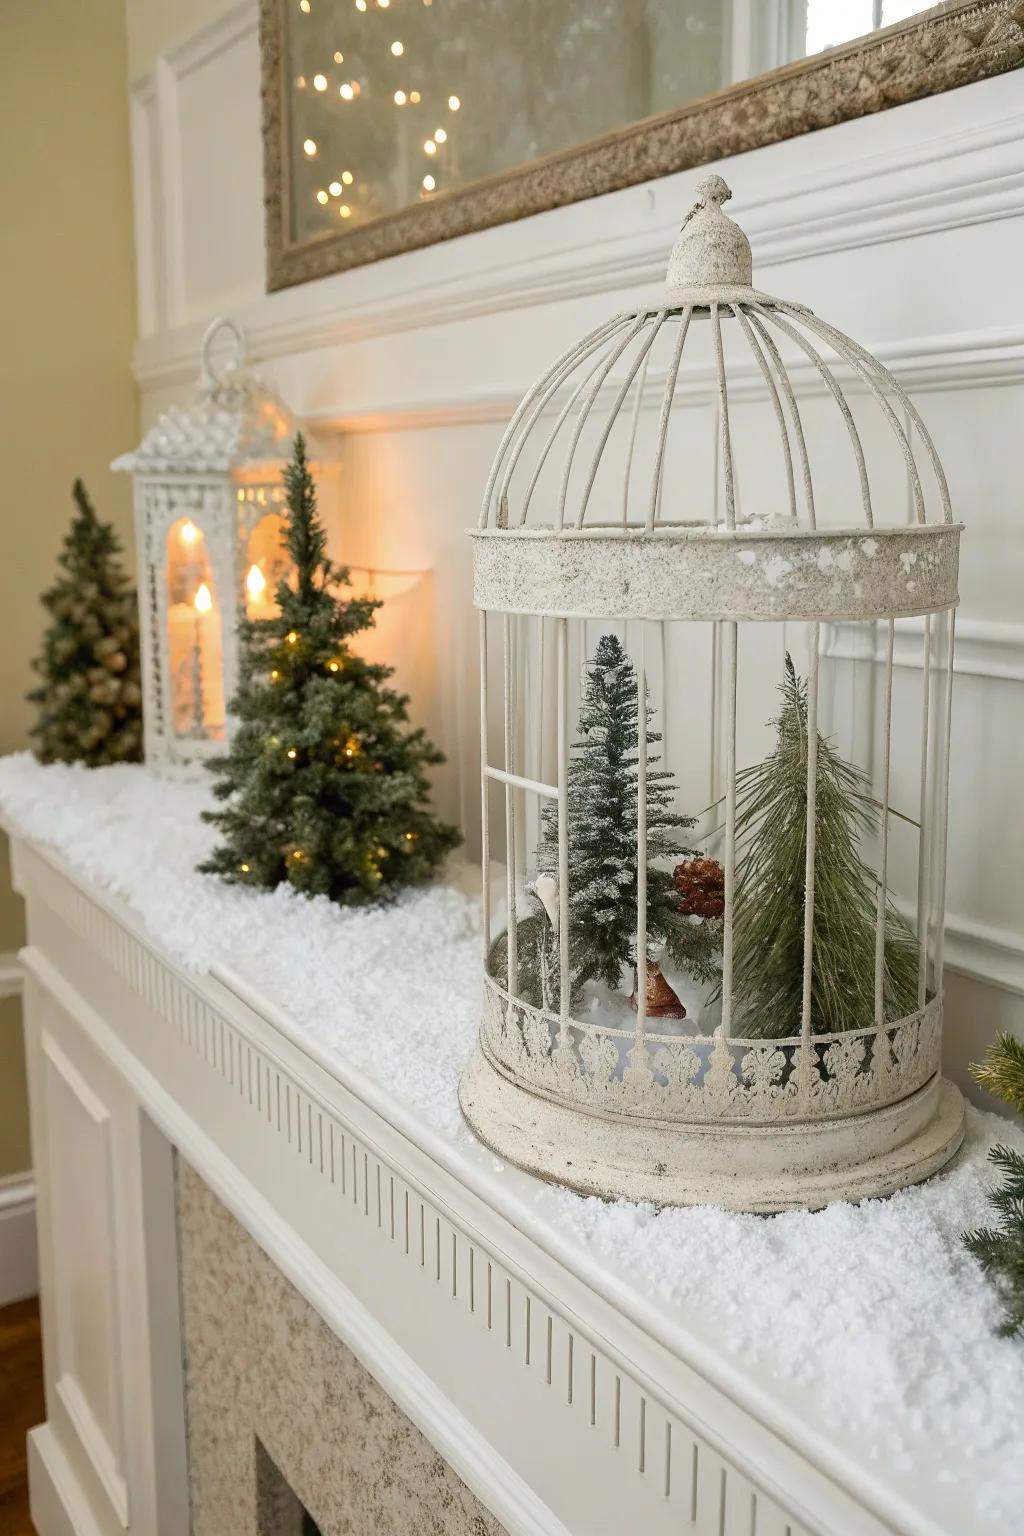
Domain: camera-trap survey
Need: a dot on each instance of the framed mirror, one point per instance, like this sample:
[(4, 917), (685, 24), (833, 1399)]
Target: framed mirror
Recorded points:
[(392, 124)]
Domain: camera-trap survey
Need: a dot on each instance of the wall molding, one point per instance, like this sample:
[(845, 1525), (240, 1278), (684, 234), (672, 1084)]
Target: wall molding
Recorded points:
[(970, 175), (984, 953), (976, 359), (19, 1264), (983, 648)]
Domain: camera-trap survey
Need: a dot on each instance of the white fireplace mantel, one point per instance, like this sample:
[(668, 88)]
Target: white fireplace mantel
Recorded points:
[(566, 1400)]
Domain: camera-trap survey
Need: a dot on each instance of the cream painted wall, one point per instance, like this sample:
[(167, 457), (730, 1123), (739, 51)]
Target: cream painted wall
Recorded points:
[(154, 27), (67, 319)]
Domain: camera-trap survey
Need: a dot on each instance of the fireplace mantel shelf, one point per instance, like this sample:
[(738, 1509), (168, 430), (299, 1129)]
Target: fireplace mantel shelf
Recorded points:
[(565, 1398)]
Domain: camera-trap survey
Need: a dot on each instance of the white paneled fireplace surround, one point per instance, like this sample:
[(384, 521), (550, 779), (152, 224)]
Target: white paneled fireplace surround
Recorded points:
[(278, 1298)]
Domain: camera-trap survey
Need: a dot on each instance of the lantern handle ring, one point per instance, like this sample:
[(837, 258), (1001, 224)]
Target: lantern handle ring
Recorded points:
[(236, 357)]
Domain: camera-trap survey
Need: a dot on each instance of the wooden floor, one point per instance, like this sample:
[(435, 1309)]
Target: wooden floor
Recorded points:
[(21, 1407)]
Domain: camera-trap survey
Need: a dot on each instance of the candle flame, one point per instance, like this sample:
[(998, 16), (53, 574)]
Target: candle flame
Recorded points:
[(189, 532), (255, 582), (203, 600)]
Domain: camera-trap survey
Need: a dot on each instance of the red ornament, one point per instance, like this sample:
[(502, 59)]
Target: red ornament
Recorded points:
[(701, 886)]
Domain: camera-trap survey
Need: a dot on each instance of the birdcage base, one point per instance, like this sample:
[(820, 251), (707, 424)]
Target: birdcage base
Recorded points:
[(739, 1167)]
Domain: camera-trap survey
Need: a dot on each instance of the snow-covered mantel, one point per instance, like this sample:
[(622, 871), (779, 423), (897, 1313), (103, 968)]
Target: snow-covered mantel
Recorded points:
[(585, 1368)]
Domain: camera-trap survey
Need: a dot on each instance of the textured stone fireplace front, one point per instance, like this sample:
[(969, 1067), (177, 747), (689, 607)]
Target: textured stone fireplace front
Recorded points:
[(287, 1433)]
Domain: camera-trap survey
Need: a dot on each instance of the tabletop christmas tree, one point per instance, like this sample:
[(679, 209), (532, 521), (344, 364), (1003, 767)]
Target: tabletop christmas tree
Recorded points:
[(771, 830), (90, 696), (602, 833), (324, 785), (1000, 1250)]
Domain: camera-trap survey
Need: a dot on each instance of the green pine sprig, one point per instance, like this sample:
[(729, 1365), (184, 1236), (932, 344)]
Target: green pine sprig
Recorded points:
[(1002, 1071), (1000, 1249)]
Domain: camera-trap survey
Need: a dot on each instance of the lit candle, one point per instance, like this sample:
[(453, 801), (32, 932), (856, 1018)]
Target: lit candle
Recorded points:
[(259, 604), (202, 603)]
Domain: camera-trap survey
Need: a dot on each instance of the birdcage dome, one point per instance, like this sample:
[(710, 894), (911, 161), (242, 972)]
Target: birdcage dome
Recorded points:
[(234, 422), (636, 476)]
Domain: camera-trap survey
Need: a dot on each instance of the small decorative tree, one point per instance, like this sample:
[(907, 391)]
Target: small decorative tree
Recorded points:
[(602, 832), (324, 786), (771, 830), (1000, 1250), (90, 697)]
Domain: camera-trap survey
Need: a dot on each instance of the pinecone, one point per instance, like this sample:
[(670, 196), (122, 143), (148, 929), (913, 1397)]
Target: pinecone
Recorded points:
[(701, 886)]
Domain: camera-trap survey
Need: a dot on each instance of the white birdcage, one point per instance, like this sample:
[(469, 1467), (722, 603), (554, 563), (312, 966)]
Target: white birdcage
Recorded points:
[(208, 520), (656, 485)]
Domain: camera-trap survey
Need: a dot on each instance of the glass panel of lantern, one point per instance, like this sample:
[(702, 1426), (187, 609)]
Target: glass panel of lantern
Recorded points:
[(208, 521), (713, 920)]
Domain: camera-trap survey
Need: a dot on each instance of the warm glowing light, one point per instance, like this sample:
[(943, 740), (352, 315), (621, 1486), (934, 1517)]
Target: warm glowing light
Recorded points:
[(347, 91), (429, 183), (189, 532), (345, 211), (454, 103), (440, 135), (411, 837), (334, 189), (352, 747), (300, 81), (339, 58), (292, 753), (298, 855), (304, 7), (415, 98), (430, 148), (346, 177), (309, 145), (319, 82), (292, 637), (383, 4), (275, 676), (360, 5), (255, 581), (321, 196), (397, 49), (244, 868), (400, 98), (334, 666), (203, 600)]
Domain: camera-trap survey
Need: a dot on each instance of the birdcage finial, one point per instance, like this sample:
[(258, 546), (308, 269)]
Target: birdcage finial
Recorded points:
[(711, 249)]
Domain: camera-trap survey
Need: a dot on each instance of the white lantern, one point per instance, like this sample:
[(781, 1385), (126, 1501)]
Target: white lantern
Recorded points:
[(653, 500), (208, 521)]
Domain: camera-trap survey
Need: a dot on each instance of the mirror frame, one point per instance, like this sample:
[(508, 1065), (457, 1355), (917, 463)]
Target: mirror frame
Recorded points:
[(951, 45)]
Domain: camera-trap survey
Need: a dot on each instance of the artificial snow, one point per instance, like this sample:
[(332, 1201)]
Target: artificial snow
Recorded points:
[(876, 1309)]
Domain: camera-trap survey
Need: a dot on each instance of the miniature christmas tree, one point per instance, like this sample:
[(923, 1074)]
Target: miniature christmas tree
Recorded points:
[(90, 697), (771, 830), (1000, 1250), (325, 787), (602, 830)]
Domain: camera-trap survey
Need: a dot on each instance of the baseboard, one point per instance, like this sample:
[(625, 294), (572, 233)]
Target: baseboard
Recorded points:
[(57, 1504), (19, 1262)]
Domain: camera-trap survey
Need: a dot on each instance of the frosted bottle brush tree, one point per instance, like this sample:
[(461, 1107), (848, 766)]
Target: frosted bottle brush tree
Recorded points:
[(603, 787), (324, 785), (90, 695)]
